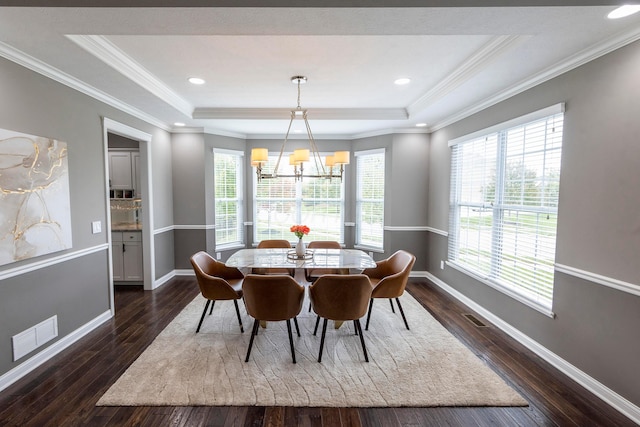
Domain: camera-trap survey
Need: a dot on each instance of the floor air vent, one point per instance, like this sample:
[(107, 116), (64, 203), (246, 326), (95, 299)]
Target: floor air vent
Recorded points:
[(473, 319)]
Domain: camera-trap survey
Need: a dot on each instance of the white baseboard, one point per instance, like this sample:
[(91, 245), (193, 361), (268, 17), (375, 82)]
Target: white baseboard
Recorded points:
[(184, 272), (38, 359), (164, 279), (609, 396)]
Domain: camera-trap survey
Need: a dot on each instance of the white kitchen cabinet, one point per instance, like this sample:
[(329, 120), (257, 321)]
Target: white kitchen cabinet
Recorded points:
[(120, 171), (124, 172), (127, 256)]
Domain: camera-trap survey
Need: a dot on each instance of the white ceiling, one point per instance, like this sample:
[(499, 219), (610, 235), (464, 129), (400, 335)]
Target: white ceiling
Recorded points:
[(459, 59)]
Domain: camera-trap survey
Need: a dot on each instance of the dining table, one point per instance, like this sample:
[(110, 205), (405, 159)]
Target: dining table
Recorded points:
[(354, 260)]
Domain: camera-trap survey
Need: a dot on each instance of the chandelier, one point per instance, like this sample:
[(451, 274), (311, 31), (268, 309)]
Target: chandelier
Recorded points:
[(260, 156)]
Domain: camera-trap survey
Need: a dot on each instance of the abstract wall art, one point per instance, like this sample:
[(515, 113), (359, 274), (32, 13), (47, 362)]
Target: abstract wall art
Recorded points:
[(35, 210)]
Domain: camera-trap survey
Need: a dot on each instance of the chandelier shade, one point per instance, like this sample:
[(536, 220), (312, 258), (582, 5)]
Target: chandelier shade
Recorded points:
[(260, 156)]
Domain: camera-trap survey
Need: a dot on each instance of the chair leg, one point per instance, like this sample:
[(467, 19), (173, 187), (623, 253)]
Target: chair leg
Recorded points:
[(392, 309), (203, 314), (364, 348), (235, 302), (316, 328), (402, 312), (324, 332), (355, 327), (366, 328), (213, 302), (295, 322), (254, 331), (293, 351)]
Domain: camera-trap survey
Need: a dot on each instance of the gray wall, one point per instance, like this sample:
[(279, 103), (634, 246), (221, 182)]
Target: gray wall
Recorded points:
[(596, 327), (76, 290)]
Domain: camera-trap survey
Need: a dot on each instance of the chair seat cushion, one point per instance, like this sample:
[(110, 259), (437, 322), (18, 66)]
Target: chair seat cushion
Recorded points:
[(236, 284)]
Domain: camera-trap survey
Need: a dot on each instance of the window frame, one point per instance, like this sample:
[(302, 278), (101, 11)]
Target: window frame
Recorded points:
[(298, 200), (360, 200), (500, 206), (239, 199)]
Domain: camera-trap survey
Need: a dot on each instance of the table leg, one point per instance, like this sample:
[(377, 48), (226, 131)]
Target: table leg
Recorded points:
[(263, 324), (338, 323)]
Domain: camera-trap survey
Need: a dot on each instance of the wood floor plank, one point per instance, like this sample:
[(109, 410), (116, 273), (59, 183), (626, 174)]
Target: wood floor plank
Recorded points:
[(64, 390)]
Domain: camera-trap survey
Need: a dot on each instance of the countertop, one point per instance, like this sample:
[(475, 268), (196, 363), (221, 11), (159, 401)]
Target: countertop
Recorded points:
[(126, 226)]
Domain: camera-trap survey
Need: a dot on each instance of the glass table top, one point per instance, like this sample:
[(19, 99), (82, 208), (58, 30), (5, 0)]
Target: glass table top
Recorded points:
[(314, 258)]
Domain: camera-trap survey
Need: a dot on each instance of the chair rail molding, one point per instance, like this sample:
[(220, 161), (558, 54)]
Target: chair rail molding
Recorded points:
[(17, 271), (415, 228), (599, 279)]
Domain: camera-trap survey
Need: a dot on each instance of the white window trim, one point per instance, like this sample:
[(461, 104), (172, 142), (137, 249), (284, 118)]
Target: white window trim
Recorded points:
[(518, 121), (504, 289), (377, 249), (242, 242), (527, 118)]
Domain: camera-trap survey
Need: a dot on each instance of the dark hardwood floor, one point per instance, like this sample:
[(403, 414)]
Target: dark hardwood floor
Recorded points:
[(64, 391)]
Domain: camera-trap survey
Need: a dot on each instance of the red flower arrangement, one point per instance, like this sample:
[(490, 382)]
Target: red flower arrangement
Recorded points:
[(300, 230)]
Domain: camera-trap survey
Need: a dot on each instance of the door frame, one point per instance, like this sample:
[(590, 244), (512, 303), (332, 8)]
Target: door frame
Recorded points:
[(144, 141)]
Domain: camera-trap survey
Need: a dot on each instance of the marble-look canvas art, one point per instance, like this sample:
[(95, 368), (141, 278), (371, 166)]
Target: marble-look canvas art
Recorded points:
[(35, 211)]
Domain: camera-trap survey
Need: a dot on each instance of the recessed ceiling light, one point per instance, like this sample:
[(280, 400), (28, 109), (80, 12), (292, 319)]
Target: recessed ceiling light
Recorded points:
[(421, 125), (196, 80), (179, 124), (622, 11), (402, 81)]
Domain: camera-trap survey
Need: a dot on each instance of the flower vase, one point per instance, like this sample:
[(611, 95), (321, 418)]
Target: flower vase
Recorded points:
[(300, 249)]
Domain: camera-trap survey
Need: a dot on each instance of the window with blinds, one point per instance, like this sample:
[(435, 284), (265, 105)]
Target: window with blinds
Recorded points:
[(370, 199), (504, 205), (282, 202), (229, 200)]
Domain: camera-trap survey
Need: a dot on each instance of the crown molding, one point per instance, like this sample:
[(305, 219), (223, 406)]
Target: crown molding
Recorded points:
[(574, 61), (110, 54), (473, 65), (315, 113), (33, 64)]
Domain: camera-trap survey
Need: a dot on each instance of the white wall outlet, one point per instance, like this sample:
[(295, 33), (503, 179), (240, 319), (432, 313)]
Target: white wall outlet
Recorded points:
[(441, 265), (218, 255), (96, 227)]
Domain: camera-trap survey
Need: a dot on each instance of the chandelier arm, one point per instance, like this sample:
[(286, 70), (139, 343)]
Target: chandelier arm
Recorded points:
[(286, 137), (314, 147)]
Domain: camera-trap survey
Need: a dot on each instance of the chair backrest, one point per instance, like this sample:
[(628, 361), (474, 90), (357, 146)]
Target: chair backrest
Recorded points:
[(274, 243), (272, 298), (212, 277), (393, 274), (311, 274), (341, 297), (324, 244)]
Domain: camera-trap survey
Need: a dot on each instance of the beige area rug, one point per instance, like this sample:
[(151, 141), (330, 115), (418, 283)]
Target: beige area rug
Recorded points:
[(422, 367)]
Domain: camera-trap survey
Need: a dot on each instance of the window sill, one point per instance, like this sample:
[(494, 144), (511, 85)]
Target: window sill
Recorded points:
[(230, 246), (531, 304), (369, 249)]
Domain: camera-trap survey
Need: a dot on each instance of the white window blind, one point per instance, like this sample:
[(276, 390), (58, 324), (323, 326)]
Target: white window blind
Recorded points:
[(504, 206), (229, 200), (283, 202), (370, 199)]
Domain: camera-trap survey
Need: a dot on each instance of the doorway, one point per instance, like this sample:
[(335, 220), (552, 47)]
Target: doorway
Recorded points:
[(120, 134)]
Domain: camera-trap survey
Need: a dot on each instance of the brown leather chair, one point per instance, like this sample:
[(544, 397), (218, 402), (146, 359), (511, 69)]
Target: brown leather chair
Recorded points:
[(274, 243), (312, 274), (389, 278), (272, 298), (340, 297), (217, 282)]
